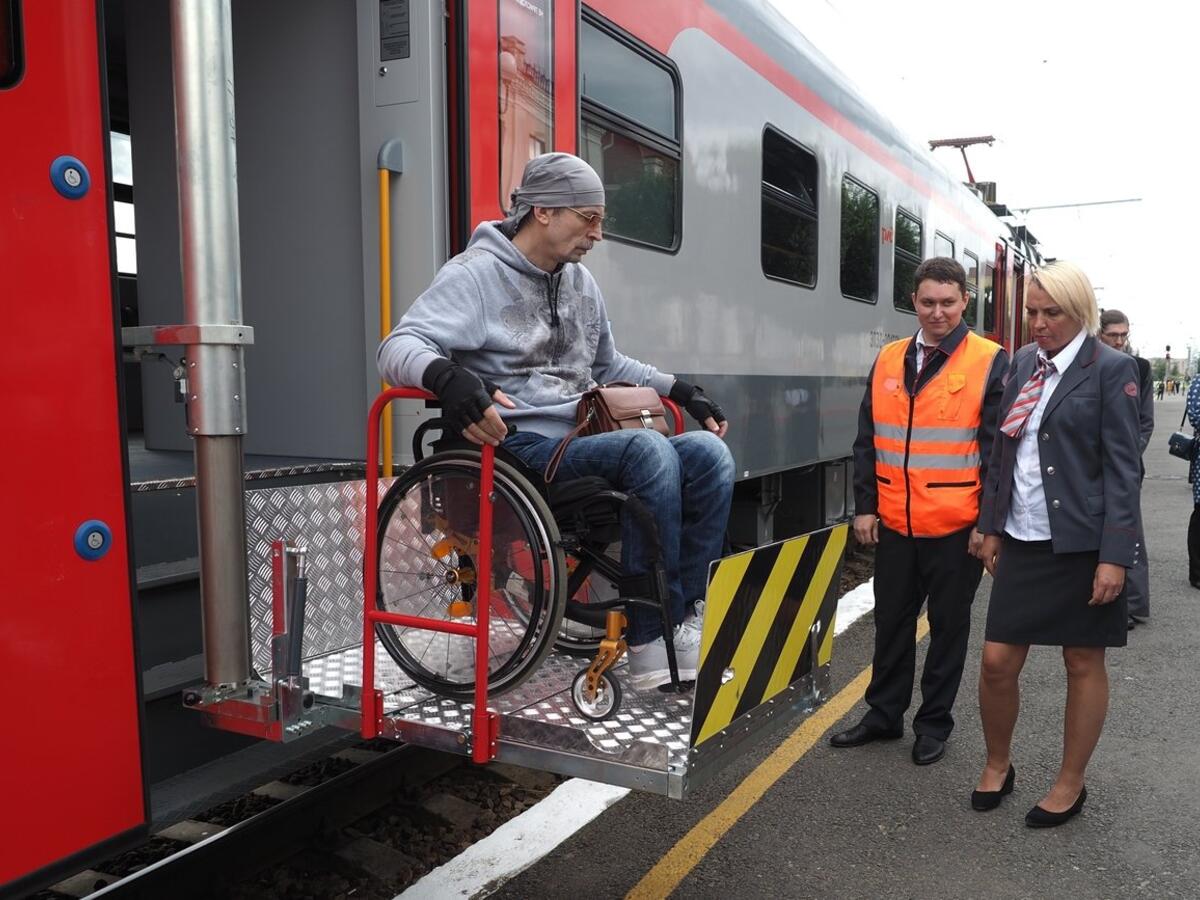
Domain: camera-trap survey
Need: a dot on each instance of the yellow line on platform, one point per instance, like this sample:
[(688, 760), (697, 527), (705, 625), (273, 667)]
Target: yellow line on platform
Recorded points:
[(684, 856)]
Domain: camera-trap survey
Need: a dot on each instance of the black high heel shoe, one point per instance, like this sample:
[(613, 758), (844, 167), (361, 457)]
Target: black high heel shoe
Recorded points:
[(984, 801), (1040, 818)]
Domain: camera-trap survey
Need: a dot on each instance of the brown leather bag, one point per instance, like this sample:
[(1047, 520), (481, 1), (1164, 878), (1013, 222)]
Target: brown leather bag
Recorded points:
[(612, 407)]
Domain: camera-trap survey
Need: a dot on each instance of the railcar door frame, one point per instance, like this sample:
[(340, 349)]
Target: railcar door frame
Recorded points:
[(1021, 323), (474, 77), (67, 629), (999, 333)]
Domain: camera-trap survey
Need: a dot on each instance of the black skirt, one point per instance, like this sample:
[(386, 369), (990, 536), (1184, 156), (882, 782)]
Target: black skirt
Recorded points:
[(1041, 597)]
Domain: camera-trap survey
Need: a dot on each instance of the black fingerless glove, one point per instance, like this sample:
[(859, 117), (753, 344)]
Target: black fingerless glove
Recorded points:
[(463, 396), (692, 398)]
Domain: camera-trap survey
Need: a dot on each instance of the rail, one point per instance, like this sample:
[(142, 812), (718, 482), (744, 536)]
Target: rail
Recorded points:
[(484, 723)]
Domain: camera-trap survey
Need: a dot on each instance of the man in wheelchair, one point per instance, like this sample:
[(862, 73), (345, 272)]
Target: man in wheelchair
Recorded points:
[(515, 321)]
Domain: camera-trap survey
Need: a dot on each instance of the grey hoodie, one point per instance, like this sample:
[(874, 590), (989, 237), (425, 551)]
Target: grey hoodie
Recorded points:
[(543, 338)]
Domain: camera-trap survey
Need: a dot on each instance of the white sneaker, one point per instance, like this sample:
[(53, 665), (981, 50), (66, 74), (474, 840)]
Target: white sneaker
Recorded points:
[(648, 663), (696, 620)]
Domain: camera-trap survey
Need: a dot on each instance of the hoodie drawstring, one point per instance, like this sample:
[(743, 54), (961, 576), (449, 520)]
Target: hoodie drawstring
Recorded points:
[(552, 282)]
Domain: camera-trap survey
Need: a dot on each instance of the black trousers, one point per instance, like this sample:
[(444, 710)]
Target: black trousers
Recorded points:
[(907, 572), (1194, 546)]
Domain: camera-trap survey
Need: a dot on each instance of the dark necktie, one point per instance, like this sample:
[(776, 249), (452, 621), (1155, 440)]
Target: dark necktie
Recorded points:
[(924, 355)]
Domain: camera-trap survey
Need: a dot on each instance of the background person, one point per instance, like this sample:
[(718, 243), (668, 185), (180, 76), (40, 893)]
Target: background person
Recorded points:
[(1060, 515), (1114, 331), (925, 427), (518, 312)]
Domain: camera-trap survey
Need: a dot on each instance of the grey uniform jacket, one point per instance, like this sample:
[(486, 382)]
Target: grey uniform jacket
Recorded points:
[(1089, 454)]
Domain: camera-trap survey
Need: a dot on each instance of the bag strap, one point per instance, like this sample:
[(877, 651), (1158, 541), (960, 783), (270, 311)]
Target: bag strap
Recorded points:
[(561, 450), (1183, 420)]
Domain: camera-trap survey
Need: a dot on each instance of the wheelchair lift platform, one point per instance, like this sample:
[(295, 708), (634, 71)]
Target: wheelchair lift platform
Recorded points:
[(766, 650)]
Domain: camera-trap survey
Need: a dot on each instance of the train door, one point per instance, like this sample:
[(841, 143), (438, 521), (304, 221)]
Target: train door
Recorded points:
[(71, 750), (994, 305), (1010, 316), (1022, 323), (512, 96)]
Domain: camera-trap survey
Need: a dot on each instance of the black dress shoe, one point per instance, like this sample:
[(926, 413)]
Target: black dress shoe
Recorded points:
[(863, 734), (1132, 624), (927, 750), (983, 801), (1040, 818)]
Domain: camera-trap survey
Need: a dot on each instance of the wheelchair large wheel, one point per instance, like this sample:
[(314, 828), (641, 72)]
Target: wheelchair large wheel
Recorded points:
[(428, 566)]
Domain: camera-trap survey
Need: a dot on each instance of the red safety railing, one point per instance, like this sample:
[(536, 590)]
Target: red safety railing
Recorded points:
[(484, 723)]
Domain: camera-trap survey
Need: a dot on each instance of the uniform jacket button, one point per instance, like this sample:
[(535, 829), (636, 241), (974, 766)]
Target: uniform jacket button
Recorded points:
[(1045, 435), (1049, 470), (1056, 504)]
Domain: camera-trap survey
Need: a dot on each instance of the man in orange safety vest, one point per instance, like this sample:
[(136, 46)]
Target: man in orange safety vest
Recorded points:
[(925, 430)]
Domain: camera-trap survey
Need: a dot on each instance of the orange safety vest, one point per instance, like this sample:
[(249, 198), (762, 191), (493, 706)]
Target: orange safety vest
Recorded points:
[(927, 446)]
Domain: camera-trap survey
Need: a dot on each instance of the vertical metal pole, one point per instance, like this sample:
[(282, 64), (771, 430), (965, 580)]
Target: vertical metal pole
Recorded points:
[(202, 47), (482, 749)]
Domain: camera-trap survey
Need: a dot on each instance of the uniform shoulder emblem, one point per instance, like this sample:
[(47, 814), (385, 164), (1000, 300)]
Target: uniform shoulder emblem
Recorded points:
[(1131, 389)]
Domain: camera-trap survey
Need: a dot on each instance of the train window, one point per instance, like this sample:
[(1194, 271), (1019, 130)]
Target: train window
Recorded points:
[(526, 100), (905, 259), (989, 299), (789, 210), (11, 57), (971, 264), (616, 75), (942, 245), (860, 241), (629, 107)]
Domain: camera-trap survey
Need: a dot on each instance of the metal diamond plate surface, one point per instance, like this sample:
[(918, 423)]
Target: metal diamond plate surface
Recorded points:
[(645, 717), (328, 519), (189, 481)]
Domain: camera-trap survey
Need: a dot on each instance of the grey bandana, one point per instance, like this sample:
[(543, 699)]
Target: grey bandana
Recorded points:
[(553, 180)]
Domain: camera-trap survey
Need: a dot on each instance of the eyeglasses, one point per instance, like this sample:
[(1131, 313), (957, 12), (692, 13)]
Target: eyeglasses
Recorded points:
[(593, 219)]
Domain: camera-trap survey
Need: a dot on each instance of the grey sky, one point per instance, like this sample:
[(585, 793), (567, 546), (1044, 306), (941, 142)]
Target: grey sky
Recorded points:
[(1088, 102)]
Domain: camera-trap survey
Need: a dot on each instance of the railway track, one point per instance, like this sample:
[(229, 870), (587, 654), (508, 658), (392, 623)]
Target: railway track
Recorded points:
[(364, 823)]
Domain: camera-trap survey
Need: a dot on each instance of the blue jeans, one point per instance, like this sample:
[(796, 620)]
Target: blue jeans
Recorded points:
[(687, 483)]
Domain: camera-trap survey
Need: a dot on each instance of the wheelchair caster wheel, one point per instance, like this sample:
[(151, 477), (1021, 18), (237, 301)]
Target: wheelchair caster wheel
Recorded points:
[(606, 702)]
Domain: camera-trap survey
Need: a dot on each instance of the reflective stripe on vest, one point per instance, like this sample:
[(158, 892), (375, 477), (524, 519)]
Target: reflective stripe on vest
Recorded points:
[(927, 447)]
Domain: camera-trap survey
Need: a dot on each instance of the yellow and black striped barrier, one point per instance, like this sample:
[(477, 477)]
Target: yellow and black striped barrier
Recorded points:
[(759, 615)]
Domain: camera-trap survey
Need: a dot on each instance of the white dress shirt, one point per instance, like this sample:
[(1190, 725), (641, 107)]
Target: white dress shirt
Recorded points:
[(1027, 516), (922, 344)]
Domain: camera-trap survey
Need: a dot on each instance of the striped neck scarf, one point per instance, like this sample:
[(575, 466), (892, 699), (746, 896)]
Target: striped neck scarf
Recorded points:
[(1027, 400)]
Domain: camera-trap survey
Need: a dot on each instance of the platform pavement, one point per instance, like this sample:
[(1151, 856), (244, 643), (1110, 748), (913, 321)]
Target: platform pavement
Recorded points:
[(867, 823)]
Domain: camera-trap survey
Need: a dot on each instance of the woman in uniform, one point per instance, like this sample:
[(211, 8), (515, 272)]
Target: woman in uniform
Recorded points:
[(1060, 517)]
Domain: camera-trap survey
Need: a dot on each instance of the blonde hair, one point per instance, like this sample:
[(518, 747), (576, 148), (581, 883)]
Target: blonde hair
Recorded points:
[(1070, 289)]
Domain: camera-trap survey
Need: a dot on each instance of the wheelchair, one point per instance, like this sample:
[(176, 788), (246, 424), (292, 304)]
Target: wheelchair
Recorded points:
[(556, 577)]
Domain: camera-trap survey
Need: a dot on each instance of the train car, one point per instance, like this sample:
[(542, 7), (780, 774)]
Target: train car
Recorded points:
[(763, 223), (763, 227)]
